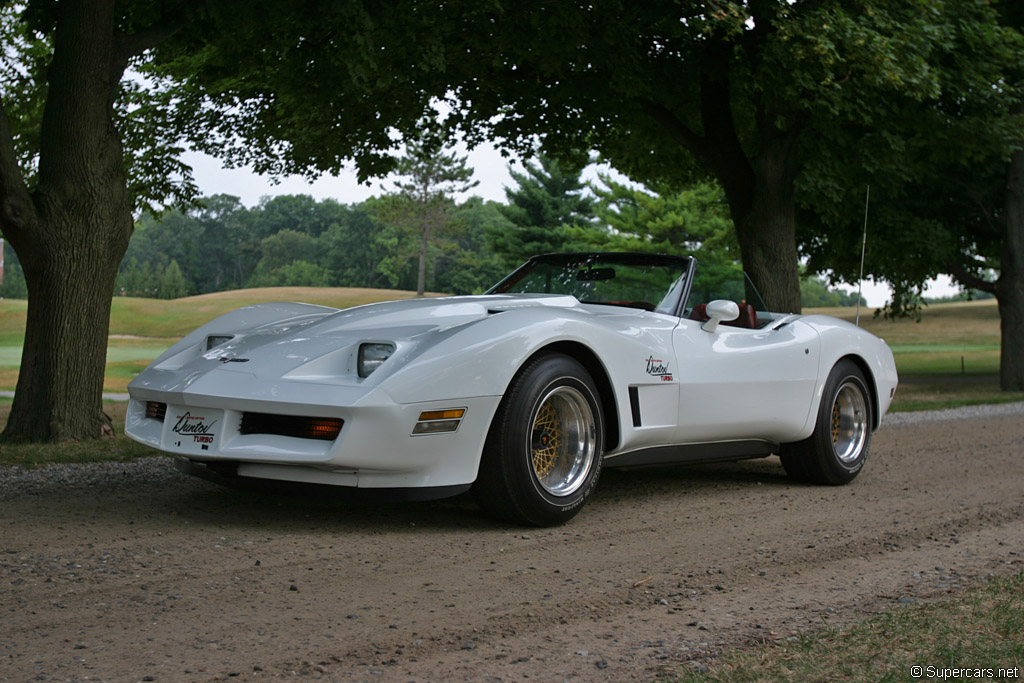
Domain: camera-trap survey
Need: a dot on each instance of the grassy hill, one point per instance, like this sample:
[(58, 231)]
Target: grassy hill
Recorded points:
[(950, 357), (952, 350), (950, 323), (950, 339), (140, 329)]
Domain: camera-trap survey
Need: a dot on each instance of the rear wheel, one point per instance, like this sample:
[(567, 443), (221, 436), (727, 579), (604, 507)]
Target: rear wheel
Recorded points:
[(542, 458), (835, 453)]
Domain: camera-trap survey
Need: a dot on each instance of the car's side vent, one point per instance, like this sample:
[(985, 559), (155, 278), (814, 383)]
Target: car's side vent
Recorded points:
[(157, 411), (322, 428), (634, 406)]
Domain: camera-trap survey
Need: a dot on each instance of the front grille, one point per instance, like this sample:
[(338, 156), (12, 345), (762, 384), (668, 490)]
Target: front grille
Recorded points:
[(157, 411), (322, 428)]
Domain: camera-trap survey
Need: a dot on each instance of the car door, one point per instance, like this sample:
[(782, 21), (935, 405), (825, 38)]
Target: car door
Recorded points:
[(738, 383), (751, 378)]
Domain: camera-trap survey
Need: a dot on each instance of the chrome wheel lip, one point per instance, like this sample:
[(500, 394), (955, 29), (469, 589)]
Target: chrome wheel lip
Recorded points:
[(849, 422), (577, 441)]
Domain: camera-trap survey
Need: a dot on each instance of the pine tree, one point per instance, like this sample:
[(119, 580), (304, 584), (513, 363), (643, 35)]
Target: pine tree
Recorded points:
[(423, 207), (172, 283), (549, 197)]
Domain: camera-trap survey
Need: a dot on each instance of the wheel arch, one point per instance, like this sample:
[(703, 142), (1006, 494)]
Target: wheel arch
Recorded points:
[(869, 377), (593, 365)]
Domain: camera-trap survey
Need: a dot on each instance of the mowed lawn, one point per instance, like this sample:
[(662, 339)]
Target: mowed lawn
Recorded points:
[(141, 329), (950, 339), (950, 356)]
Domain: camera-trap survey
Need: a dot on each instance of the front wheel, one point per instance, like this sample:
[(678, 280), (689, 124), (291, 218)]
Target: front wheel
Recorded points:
[(542, 458), (836, 451)]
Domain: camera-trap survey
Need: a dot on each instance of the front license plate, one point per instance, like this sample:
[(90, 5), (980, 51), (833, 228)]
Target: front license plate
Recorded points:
[(192, 430)]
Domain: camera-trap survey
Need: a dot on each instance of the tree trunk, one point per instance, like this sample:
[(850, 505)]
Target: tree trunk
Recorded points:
[(767, 238), (71, 232), (60, 384), (1010, 287), (763, 212), (759, 190), (421, 276)]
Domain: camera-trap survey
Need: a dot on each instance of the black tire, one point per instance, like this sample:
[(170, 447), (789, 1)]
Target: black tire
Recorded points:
[(542, 458), (835, 453)]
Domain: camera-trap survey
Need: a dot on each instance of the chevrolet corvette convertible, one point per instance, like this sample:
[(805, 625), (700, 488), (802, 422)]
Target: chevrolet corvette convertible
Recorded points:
[(572, 363)]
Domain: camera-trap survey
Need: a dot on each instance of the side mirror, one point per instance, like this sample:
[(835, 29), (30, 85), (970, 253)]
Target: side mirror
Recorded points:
[(719, 311)]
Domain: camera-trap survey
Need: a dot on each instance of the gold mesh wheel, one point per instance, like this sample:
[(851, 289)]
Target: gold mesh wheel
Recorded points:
[(547, 441), (563, 442), (849, 422)]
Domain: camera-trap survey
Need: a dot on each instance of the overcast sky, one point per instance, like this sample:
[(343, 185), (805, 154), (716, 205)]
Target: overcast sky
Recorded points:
[(489, 168)]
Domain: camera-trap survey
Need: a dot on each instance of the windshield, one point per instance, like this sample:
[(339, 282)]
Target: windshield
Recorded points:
[(651, 282)]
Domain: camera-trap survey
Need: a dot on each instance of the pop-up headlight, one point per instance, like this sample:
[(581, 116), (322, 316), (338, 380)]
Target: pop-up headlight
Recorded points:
[(372, 355), (217, 339)]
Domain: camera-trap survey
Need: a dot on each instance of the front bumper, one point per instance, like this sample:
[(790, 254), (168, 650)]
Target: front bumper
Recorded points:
[(226, 473), (375, 447)]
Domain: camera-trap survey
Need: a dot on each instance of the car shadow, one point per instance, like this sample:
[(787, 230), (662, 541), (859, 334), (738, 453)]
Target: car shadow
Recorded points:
[(205, 503)]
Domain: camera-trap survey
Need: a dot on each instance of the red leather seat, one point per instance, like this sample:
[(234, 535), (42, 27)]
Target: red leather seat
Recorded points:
[(746, 319)]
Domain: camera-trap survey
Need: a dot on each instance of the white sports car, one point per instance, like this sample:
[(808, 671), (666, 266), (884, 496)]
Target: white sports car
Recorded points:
[(572, 363)]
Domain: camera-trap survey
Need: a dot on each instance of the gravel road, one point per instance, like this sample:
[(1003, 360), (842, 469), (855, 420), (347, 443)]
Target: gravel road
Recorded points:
[(136, 573)]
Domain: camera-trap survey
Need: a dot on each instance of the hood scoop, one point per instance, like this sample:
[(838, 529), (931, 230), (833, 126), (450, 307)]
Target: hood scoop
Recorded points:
[(500, 305)]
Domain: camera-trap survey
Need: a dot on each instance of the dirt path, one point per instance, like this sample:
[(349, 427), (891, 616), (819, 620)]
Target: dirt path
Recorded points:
[(170, 579)]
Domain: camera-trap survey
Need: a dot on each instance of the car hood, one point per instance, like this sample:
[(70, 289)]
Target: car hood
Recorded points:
[(415, 316), (321, 344)]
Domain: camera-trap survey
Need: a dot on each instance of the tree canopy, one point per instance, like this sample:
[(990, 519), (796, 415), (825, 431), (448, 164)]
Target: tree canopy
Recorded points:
[(548, 199), (99, 97), (736, 90), (96, 97), (947, 187)]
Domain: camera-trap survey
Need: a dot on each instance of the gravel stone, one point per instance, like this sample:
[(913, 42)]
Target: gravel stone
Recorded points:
[(17, 480), (964, 413), (160, 470)]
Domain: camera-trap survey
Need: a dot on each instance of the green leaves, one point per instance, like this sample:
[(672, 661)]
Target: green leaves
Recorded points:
[(549, 198), (692, 221)]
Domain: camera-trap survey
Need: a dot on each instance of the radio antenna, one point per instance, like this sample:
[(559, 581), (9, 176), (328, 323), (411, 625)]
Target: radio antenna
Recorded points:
[(863, 248)]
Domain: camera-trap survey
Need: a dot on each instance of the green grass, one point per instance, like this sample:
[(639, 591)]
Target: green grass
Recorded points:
[(941, 363), (947, 359), (10, 356), (899, 349), (977, 628), (141, 329), (957, 341), (178, 317), (118, 350), (12, 322)]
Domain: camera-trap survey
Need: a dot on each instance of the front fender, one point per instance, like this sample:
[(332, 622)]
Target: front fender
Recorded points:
[(480, 359), (840, 339)]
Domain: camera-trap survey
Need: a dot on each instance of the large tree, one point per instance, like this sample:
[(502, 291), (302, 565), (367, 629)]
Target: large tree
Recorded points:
[(947, 191), (65, 206), (422, 206), (296, 88), (734, 89)]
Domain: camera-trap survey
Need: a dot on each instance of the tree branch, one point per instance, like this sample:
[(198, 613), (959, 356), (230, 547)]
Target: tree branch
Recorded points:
[(133, 45), (973, 192), (17, 211), (728, 159), (969, 279), (699, 146)]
